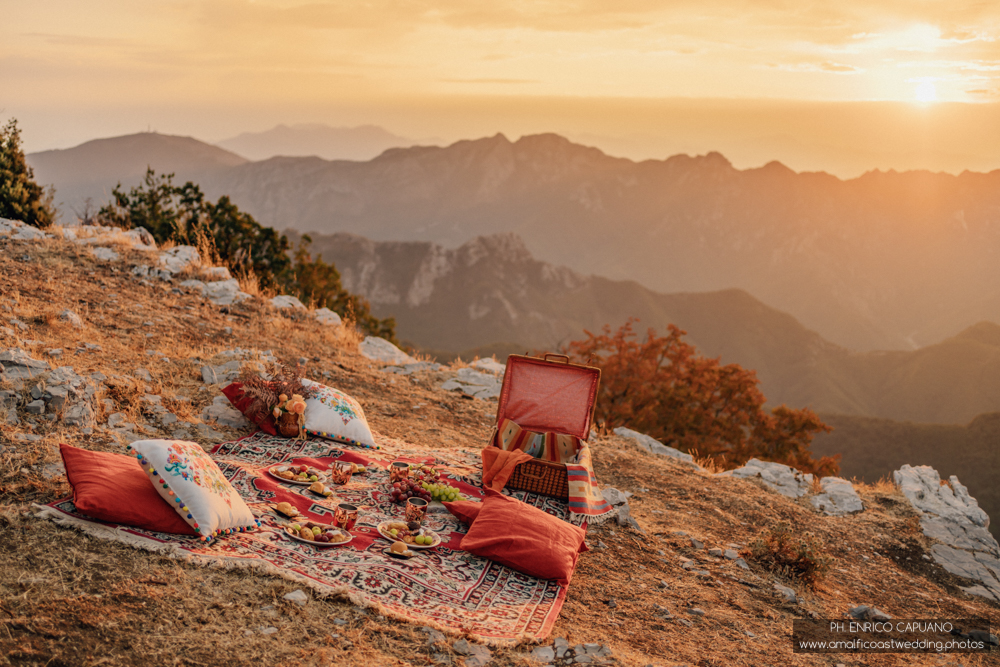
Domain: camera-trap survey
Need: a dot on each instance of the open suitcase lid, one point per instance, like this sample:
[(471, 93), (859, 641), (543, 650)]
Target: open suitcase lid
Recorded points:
[(543, 395)]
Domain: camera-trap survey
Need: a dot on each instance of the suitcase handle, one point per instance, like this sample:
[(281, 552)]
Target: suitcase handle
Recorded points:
[(565, 359), (534, 476)]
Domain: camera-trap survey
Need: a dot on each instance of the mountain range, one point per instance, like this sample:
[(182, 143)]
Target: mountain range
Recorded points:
[(884, 261), (490, 293), (330, 143)]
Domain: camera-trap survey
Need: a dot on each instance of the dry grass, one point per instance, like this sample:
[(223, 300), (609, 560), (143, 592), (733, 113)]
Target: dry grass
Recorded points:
[(70, 599)]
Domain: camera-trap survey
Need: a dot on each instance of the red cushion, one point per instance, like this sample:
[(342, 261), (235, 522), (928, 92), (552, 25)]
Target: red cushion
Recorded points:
[(114, 488), (240, 401), (465, 511), (525, 538)]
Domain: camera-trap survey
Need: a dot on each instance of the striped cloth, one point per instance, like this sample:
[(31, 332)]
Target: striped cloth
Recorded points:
[(585, 499)]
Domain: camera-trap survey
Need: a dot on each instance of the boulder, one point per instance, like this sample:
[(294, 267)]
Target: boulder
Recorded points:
[(75, 320), (327, 317), (379, 349), (19, 231), (654, 446), (474, 383), (923, 488), (216, 273), (489, 365), (180, 258), (17, 365), (838, 497), (221, 411), (784, 479), (285, 301), (225, 292), (104, 254), (410, 369)]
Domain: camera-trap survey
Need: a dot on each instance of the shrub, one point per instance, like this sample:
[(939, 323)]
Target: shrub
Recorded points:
[(20, 197), (662, 387), (183, 215), (798, 556)]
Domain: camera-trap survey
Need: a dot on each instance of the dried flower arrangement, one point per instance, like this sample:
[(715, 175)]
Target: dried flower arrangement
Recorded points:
[(269, 393)]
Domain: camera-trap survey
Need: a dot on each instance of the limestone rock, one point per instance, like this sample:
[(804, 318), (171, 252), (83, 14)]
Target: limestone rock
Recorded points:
[(922, 487), (786, 593), (16, 364), (104, 254), (197, 285), (489, 365), (867, 613), (838, 497), (19, 231), (476, 655), (222, 412), (410, 369), (225, 292), (216, 273), (208, 375), (71, 317), (298, 597), (784, 479), (474, 383), (379, 349), (180, 258), (327, 317), (285, 301), (654, 446)]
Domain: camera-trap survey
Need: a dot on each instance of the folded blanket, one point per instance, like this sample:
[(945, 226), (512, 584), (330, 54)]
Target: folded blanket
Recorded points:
[(517, 446)]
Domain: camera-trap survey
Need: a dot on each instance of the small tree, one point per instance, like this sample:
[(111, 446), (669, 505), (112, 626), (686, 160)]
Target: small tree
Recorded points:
[(20, 197), (662, 387)]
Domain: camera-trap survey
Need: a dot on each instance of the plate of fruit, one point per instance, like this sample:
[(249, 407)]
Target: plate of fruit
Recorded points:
[(318, 535), (412, 534), (296, 474)]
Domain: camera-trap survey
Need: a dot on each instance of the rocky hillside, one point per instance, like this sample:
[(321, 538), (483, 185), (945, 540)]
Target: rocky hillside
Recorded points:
[(102, 343), (883, 261)]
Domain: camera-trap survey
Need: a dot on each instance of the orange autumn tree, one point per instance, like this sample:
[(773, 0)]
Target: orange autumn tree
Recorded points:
[(661, 386)]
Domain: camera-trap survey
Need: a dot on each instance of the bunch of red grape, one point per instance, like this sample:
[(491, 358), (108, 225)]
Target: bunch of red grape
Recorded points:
[(408, 488)]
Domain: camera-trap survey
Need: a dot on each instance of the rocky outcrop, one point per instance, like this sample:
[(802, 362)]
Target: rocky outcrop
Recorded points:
[(654, 446), (784, 479), (838, 497), (379, 349), (949, 515)]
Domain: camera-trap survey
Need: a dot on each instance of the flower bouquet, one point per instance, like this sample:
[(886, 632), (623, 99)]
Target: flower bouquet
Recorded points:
[(290, 415)]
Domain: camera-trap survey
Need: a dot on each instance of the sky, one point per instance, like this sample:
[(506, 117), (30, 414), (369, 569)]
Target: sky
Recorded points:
[(845, 86)]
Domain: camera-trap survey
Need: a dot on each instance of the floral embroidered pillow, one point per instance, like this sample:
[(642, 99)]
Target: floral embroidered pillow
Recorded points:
[(330, 413), (184, 475)]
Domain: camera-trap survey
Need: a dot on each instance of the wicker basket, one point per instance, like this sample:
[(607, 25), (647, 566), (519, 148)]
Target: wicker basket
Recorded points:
[(540, 394)]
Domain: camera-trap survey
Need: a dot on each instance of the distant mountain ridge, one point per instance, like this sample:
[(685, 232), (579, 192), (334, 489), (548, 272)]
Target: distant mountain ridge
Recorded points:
[(885, 261), (330, 143), (491, 290)]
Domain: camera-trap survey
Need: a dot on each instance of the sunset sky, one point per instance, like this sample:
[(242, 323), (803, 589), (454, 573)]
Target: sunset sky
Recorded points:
[(635, 77)]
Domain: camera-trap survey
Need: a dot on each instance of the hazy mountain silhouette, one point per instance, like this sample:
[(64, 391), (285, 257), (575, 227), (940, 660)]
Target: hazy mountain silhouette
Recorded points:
[(491, 291), (330, 143), (94, 168), (883, 261)]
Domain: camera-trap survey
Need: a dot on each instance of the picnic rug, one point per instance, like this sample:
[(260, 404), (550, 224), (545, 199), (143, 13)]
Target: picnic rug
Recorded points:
[(445, 588)]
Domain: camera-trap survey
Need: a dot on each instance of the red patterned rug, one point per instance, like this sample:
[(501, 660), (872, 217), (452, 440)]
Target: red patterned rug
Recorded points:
[(444, 587)]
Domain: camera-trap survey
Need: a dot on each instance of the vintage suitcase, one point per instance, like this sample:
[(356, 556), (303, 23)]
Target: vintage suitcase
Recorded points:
[(546, 394)]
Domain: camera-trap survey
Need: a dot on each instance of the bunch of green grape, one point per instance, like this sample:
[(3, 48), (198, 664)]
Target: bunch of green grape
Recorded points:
[(442, 492)]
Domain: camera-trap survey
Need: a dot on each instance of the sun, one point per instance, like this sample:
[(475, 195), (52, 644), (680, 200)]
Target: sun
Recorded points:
[(926, 92)]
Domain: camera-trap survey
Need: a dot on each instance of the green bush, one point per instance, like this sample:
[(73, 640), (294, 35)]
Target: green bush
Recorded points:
[(20, 197), (183, 215)]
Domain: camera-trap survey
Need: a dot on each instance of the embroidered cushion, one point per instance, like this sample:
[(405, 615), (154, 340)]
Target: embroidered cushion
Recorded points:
[(184, 476), (525, 538), (114, 488), (330, 413)]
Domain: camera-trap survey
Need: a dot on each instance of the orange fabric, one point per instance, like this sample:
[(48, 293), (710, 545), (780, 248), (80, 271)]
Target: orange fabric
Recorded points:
[(114, 488), (525, 538), (498, 466), (465, 511)]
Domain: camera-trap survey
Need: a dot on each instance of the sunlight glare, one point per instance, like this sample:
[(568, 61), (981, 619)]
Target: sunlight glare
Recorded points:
[(926, 92)]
